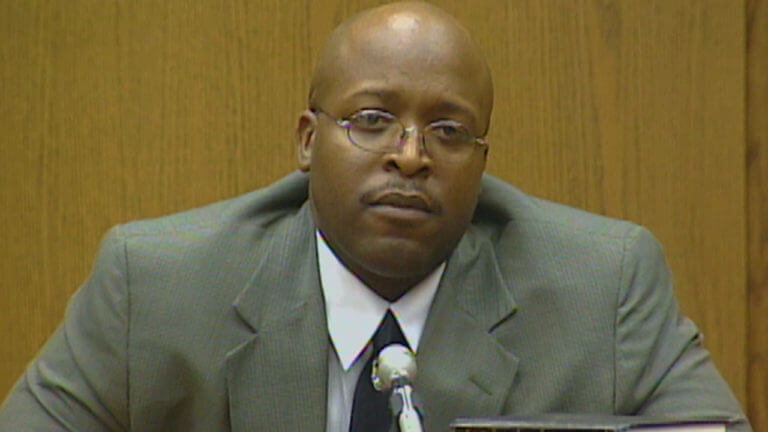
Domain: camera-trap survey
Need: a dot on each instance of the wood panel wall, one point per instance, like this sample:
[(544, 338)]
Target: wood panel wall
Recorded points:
[(757, 210), (112, 111)]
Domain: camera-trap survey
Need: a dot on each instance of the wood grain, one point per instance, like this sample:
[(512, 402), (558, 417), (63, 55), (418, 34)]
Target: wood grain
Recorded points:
[(757, 209), (113, 111)]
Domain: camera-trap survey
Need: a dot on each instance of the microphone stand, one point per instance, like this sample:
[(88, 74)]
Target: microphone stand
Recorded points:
[(403, 406)]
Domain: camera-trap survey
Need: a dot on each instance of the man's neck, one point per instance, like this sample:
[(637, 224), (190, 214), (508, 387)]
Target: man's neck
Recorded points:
[(388, 288)]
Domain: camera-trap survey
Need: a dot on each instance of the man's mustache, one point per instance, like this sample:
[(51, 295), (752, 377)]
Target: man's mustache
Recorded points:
[(413, 191)]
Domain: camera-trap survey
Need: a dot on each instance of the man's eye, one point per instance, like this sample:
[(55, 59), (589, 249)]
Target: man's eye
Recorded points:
[(371, 120), (449, 131)]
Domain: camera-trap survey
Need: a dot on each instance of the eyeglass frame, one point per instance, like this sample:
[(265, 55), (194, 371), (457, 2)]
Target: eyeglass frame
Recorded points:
[(347, 125)]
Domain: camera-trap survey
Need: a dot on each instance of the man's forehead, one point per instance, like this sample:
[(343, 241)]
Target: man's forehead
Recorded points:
[(380, 92)]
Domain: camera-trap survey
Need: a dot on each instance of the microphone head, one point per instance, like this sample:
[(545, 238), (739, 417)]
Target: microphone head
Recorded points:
[(395, 365)]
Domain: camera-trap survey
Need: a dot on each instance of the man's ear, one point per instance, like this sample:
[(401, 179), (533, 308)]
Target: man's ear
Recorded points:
[(305, 137)]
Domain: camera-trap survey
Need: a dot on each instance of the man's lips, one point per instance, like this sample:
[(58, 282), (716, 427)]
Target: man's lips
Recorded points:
[(405, 201), (400, 199)]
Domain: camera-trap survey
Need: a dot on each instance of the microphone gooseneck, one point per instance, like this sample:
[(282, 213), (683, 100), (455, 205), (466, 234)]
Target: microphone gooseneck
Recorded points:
[(395, 369)]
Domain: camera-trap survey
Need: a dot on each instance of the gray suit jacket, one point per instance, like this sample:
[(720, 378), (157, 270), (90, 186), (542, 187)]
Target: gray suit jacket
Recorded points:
[(213, 320)]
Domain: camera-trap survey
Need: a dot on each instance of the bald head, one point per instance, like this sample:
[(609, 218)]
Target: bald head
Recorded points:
[(399, 39)]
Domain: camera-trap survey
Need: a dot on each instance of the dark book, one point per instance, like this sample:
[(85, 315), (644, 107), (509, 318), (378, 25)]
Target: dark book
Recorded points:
[(587, 422)]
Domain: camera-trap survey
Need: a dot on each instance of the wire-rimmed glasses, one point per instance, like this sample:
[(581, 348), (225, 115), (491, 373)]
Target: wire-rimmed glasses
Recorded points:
[(381, 132)]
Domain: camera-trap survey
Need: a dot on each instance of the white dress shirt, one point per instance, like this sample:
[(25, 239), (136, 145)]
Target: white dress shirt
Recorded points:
[(354, 312)]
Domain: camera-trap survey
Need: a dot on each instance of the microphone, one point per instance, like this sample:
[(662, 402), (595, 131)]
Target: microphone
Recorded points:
[(395, 368)]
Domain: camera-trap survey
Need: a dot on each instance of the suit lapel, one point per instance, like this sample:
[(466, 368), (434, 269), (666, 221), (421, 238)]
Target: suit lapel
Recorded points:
[(277, 375), (464, 370)]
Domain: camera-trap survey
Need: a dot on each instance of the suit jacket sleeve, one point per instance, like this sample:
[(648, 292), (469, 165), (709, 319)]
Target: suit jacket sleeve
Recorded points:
[(662, 367), (78, 382)]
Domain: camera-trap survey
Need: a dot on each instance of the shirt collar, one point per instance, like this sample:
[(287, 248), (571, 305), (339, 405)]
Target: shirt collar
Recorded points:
[(354, 311)]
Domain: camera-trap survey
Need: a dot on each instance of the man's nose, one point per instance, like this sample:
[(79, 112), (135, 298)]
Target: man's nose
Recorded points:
[(412, 158)]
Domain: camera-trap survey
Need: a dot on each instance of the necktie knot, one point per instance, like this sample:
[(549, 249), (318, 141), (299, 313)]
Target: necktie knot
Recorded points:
[(388, 333)]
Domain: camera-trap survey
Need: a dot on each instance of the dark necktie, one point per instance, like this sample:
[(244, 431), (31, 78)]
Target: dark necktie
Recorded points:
[(370, 410)]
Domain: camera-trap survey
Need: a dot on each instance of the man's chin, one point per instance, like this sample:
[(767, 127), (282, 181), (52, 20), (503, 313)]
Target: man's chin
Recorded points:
[(404, 262)]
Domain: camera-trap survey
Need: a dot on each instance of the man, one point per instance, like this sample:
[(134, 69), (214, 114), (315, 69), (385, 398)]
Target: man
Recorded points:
[(258, 313)]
